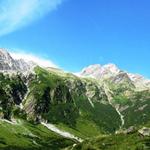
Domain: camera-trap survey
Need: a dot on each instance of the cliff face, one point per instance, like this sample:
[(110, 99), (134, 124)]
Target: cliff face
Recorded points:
[(12, 91)]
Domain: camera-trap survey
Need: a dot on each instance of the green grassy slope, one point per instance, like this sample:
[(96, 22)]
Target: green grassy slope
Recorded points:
[(62, 99), (132, 141), (27, 136), (77, 105)]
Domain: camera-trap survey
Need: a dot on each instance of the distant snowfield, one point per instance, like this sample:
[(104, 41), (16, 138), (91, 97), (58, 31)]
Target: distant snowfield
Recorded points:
[(60, 132)]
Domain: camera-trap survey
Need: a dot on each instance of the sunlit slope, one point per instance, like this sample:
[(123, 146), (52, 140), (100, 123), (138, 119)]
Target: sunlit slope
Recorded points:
[(66, 99), (22, 135)]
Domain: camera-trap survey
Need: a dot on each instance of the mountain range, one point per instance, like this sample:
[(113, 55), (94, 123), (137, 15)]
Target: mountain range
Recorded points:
[(112, 72), (102, 107)]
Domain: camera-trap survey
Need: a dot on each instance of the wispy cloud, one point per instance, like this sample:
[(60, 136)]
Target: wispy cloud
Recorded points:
[(15, 14), (31, 57)]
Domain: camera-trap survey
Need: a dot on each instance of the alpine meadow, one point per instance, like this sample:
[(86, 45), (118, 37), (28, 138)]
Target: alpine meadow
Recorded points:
[(74, 75)]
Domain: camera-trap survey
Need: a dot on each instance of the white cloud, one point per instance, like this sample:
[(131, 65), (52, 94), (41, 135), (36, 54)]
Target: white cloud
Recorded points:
[(31, 57), (15, 14)]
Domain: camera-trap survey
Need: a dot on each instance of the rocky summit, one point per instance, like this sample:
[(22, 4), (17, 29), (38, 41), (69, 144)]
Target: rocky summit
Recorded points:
[(103, 107), (112, 72), (7, 63)]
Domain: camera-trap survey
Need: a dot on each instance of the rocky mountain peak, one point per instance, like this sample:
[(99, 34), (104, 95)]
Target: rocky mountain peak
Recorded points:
[(91, 70), (114, 74), (111, 68), (4, 54), (7, 63), (140, 81), (98, 71)]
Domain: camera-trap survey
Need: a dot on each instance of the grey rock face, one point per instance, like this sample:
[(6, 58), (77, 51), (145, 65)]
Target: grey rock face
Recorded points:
[(97, 71), (130, 130), (144, 131), (7, 63), (113, 73)]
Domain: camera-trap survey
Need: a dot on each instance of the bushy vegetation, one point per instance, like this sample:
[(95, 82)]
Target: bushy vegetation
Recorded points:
[(139, 112), (12, 91), (102, 115)]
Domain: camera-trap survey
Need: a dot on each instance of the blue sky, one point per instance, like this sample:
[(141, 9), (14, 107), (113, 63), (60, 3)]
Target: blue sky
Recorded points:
[(73, 34)]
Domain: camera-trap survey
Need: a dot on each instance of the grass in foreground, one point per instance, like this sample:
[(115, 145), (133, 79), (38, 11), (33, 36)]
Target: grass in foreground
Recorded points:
[(26, 136), (116, 142)]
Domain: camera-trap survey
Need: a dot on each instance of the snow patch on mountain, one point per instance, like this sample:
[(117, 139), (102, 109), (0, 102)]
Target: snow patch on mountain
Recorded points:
[(60, 132)]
